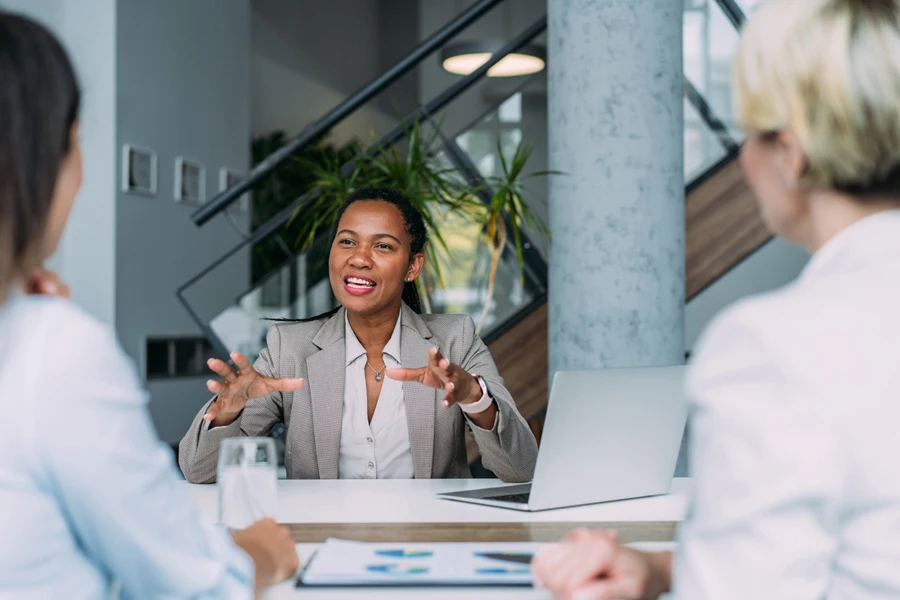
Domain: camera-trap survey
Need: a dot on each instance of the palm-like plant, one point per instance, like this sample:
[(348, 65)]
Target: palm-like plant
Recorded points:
[(433, 190), (508, 211), (334, 181), (436, 190), (283, 187)]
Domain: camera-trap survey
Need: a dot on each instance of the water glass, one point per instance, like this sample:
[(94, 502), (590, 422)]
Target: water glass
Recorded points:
[(247, 478)]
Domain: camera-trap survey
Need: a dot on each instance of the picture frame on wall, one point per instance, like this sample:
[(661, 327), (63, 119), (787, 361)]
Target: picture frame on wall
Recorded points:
[(227, 178), (190, 181), (139, 170)]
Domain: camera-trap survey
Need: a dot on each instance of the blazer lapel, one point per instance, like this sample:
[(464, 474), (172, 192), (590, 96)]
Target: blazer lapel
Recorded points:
[(326, 389), (420, 400)]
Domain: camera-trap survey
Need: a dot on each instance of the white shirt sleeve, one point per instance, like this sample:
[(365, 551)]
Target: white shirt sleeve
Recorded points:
[(763, 522), (117, 482)]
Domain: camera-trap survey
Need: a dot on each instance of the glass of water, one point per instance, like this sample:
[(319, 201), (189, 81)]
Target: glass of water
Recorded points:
[(247, 478)]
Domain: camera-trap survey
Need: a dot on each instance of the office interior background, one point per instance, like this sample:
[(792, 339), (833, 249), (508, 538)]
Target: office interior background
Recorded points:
[(185, 96)]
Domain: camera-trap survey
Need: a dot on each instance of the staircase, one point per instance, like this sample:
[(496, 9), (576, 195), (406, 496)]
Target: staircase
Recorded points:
[(722, 223)]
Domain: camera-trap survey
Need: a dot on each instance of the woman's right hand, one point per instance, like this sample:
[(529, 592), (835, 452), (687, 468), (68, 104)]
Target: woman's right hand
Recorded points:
[(272, 550), (238, 387)]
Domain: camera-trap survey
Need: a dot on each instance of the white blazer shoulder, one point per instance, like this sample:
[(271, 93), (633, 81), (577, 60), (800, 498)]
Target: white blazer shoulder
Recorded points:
[(796, 403)]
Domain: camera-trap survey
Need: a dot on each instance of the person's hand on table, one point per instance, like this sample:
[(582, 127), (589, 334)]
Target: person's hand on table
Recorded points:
[(460, 385), (43, 282), (593, 565), (272, 550), (239, 387)]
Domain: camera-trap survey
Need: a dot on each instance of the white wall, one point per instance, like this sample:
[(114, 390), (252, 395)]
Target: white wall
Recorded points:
[(772, 266), (183, 81), (47, 12), (398, 27), (500, 25), (86, 254), (307, 57), (88, 248)]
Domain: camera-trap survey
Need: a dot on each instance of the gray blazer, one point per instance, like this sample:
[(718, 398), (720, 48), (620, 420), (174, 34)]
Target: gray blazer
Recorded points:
[(312, 415)]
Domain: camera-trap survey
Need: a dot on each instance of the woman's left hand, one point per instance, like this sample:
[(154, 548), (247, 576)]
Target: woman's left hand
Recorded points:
[(441, 374), (47, 283), (592, 564)]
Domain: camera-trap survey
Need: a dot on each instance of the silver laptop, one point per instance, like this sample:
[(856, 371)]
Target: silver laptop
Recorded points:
[(609, 434)]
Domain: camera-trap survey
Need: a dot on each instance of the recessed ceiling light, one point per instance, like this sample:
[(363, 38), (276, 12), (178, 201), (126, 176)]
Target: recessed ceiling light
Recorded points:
[(463, 59)]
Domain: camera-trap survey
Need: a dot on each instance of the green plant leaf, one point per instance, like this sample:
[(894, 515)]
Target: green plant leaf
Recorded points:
[(415, 167)]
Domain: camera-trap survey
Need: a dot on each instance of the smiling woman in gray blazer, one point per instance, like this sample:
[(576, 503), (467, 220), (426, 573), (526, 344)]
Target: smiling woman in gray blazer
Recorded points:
[(373, 389)]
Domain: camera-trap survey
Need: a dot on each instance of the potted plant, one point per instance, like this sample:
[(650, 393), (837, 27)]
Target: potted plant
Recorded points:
[(439, 191), (285, 185)]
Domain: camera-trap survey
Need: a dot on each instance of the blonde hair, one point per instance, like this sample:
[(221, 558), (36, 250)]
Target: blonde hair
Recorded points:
[(828, 70)]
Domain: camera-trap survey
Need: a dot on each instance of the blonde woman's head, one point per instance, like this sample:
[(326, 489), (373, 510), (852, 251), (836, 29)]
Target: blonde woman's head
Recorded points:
[(817, 84)]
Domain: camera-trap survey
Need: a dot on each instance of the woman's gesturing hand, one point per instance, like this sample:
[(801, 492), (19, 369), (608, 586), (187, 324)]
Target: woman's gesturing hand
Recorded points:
[(460, 385), (442, 374), (240, 386)]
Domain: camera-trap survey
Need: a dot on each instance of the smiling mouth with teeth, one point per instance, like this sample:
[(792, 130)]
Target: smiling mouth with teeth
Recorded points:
[(359, 283)]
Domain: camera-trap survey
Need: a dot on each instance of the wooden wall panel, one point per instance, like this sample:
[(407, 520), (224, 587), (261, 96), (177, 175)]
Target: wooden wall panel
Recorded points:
[(521, 356), (723, 227)]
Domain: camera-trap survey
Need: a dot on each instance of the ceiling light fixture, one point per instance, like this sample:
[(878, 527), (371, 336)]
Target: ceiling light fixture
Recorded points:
[(464, 58)]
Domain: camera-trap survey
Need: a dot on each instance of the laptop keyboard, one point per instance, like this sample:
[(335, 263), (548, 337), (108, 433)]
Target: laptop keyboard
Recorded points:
[(514, 498)]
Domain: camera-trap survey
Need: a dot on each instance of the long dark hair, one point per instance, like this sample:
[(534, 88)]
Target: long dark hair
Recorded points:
[(414, 224), (39, 101)]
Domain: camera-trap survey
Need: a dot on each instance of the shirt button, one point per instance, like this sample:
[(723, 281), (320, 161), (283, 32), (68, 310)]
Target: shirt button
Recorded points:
[(370, 441), (371, 465)]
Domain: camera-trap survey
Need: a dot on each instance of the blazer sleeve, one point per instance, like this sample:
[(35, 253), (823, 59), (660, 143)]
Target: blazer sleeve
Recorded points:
[(509, 449), (198, 452)]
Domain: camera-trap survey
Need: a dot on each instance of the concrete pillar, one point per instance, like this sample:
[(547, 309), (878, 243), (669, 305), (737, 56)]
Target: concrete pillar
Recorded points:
[(616, 127)]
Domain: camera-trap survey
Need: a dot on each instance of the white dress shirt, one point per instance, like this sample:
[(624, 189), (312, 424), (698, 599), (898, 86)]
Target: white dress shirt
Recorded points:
[(88, 493), (795, 447), (379, 450)]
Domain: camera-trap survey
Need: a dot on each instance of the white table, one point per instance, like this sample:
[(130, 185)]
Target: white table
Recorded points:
[(414, 502)]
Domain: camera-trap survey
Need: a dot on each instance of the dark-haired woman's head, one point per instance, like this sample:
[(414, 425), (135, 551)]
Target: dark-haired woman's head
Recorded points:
[(377, 252), (40, 158)]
